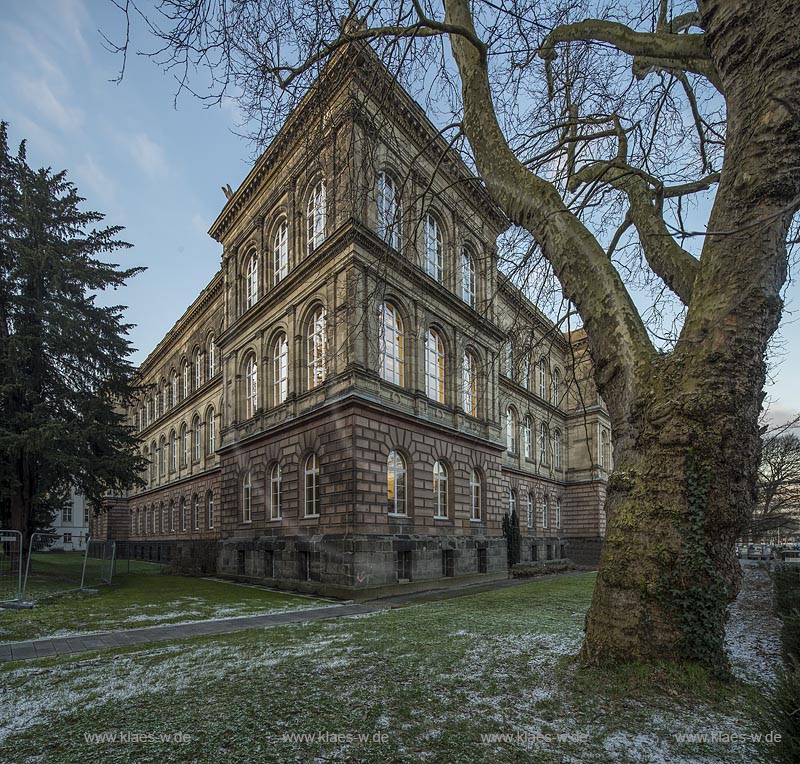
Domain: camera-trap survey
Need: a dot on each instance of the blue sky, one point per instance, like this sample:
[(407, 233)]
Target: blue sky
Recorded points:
[(155, 168)]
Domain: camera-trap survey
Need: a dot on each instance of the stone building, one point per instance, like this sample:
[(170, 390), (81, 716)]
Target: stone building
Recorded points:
[(71, 525), (359, 396)]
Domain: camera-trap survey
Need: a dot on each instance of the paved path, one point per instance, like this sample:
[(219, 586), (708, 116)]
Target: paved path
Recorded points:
[(49, 646)]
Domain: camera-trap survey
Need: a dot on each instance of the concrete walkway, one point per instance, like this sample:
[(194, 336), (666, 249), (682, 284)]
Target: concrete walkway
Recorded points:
[(49, 646)]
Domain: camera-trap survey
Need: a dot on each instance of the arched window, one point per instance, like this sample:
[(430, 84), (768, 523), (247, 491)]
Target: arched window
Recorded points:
[(185, 376), (543, 443), (475, 494), (558, 513), (162, 511), (316, 217), (543, 379), (280, 369), (247, 498), (526, 372), (509, 348), (396, 483), (434, 366), (212, 431), (468, 290), (210, 510), (275, 492), (391, 345), (251, 280), (511, 426), (280, 253), (196, 513), (312, 486), (162, 462), (251, 388), (172, 516), (530, 513), (173, 451), (557, 449), (164, 397), (605, 460), (512, 501), (388, 211), (316, 343), (198, 370), (470, 384), (196, 437), (175, 393), (133, 522), (211, 355), (527, 437), (140, 521), (154, 454), (183, 514), (184, 445), (554, 386), (432, 243), (440, 490), (545, 512)]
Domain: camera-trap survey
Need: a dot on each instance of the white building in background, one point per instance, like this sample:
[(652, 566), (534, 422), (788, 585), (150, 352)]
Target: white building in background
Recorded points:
[(71, 525)]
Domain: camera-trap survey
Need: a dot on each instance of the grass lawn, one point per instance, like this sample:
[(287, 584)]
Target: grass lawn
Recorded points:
[(436, 682), (142, 597)]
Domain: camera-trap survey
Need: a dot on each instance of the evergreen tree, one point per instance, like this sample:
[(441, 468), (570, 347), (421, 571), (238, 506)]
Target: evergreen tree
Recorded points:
[(65, 376)]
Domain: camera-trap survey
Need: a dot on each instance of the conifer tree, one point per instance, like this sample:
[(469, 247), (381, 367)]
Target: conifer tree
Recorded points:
[(64, 370)]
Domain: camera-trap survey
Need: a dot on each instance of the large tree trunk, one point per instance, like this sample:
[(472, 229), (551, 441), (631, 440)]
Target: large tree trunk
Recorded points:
[(685, 423), (687, 461)]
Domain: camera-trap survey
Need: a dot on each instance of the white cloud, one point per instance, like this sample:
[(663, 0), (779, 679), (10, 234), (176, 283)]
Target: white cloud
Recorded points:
[(147, 154), (38, 93), (94, 183)]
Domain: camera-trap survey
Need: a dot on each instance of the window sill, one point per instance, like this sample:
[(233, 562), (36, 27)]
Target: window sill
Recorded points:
[(310, 517), (277, 519), (475, 520), (398, 515), (441, 517)]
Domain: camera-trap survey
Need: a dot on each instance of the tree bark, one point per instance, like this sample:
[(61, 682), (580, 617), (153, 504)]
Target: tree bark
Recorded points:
[(685, 424)]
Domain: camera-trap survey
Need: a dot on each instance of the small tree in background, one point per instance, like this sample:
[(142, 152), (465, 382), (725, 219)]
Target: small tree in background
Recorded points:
[(63, 357), (778, 508)]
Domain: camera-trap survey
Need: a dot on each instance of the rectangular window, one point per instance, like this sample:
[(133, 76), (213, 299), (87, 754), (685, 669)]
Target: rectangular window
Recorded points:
[(269, 563), (66, 514), (240, 562), (448, 563), (483, 560), (534, 553), (304, 566), (404, 564), (67, 538)]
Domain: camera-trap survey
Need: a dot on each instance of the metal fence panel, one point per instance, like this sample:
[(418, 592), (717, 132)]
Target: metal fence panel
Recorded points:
[(100, 561), (51, 571), (10, 565)]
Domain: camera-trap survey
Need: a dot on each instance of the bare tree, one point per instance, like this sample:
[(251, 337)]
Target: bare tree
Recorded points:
[(596, 126), (778, 508)]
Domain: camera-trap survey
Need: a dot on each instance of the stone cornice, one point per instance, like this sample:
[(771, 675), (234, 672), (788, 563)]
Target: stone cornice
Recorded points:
[(211, 292), (517, 298), (352, 65)]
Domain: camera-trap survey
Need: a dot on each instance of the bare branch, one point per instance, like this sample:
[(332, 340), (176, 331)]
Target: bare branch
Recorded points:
[(679, 52)]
